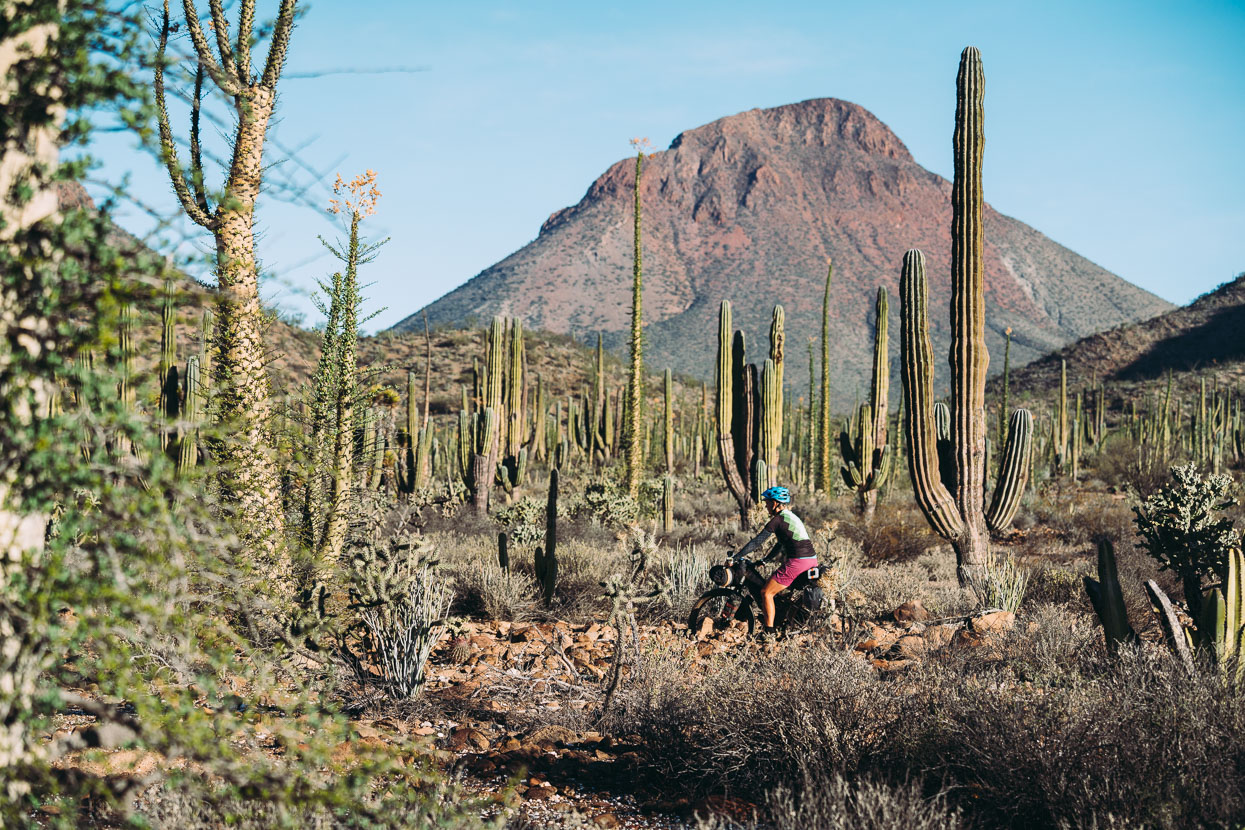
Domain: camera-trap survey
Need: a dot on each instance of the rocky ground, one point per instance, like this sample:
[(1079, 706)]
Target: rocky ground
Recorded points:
[(511, 708), (511, 688)]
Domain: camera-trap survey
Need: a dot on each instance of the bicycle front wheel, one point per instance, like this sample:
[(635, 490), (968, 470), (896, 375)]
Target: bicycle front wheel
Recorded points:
[(724, 608)]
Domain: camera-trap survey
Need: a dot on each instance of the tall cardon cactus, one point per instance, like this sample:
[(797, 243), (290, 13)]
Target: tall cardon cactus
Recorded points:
[(485, 431), (730, 398), (512, 465), (867, 456), (192, 414), (959, 514), (170, 384), (771, 414)]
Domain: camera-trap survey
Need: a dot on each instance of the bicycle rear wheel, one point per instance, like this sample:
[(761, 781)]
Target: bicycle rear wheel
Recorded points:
[(724, 607)]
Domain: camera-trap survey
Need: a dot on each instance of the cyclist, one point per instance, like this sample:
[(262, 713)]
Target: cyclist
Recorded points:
[(793, 543)]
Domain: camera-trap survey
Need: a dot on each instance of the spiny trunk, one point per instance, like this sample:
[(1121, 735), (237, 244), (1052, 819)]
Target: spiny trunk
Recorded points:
[(248, 471), (868, 505), (336, 525), (825, 475), (634, 416)]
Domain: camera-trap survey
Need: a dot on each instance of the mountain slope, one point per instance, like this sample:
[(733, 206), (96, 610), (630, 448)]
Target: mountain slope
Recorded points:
[(1203, 337), (748, 208)]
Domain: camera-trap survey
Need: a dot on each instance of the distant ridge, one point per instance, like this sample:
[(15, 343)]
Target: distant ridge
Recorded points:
[(748, 208), (1204, 337)]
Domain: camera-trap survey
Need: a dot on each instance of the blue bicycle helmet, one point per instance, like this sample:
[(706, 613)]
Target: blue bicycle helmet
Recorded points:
[(779, 494)]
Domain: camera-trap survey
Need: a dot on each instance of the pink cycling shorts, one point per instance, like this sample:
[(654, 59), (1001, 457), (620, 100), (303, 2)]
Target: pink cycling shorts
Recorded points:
[(792, 568)]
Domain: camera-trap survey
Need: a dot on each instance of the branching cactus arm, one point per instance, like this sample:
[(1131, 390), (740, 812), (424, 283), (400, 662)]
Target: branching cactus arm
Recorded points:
[(917, 360), (1014, 472)]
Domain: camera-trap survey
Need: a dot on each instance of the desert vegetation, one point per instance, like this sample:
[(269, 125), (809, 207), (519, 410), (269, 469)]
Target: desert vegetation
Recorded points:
[(442, 579)]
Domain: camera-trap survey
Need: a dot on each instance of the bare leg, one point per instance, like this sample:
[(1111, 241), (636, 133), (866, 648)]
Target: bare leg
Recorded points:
[(772, 589)]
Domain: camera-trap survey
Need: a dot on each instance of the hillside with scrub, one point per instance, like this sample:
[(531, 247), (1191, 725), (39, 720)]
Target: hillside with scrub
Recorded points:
[(258, 576)]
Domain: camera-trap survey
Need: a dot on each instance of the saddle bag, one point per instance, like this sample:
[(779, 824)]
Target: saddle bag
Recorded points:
[(813, 598)]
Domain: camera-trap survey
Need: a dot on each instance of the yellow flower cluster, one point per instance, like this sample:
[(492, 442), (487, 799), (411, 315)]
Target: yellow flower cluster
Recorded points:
[(641, 145), (364, 194)]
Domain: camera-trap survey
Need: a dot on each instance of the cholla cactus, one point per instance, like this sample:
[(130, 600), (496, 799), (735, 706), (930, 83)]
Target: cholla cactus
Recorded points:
[(399, 601), (624, 592), (1182, 526)]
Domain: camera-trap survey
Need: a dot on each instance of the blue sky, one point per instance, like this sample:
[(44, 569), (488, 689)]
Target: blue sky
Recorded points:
[(1114, 128)]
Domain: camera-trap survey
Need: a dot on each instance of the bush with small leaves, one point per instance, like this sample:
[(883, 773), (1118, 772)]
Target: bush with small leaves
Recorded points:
[(524, 521), (1181, 525)]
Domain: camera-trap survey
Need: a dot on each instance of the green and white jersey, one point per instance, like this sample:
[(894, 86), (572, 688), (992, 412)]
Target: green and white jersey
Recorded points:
[(793, 539)]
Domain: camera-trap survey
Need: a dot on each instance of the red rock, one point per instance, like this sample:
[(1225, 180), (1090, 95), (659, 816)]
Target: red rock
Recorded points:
[(911, 611), (606, 820), (993, 623), (467, 738), (939, 636), (911, 646), (552, 735)]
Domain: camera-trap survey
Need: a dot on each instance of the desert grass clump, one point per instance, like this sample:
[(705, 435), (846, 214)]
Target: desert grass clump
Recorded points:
[(880, 589), (764, 720), (861, 805), (687, 572), (583, 566), (1051, 584), (898, 533), (1000, 585), (497, 594), (1139, 744), (1054, 646)]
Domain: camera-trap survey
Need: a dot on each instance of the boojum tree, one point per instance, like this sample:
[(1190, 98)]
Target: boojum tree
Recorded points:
[(248, 474), (357, 199), (633, 418)]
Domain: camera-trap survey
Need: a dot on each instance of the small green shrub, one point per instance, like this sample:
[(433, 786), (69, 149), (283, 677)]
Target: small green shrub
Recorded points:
[(1180, 526), (524, 521)]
